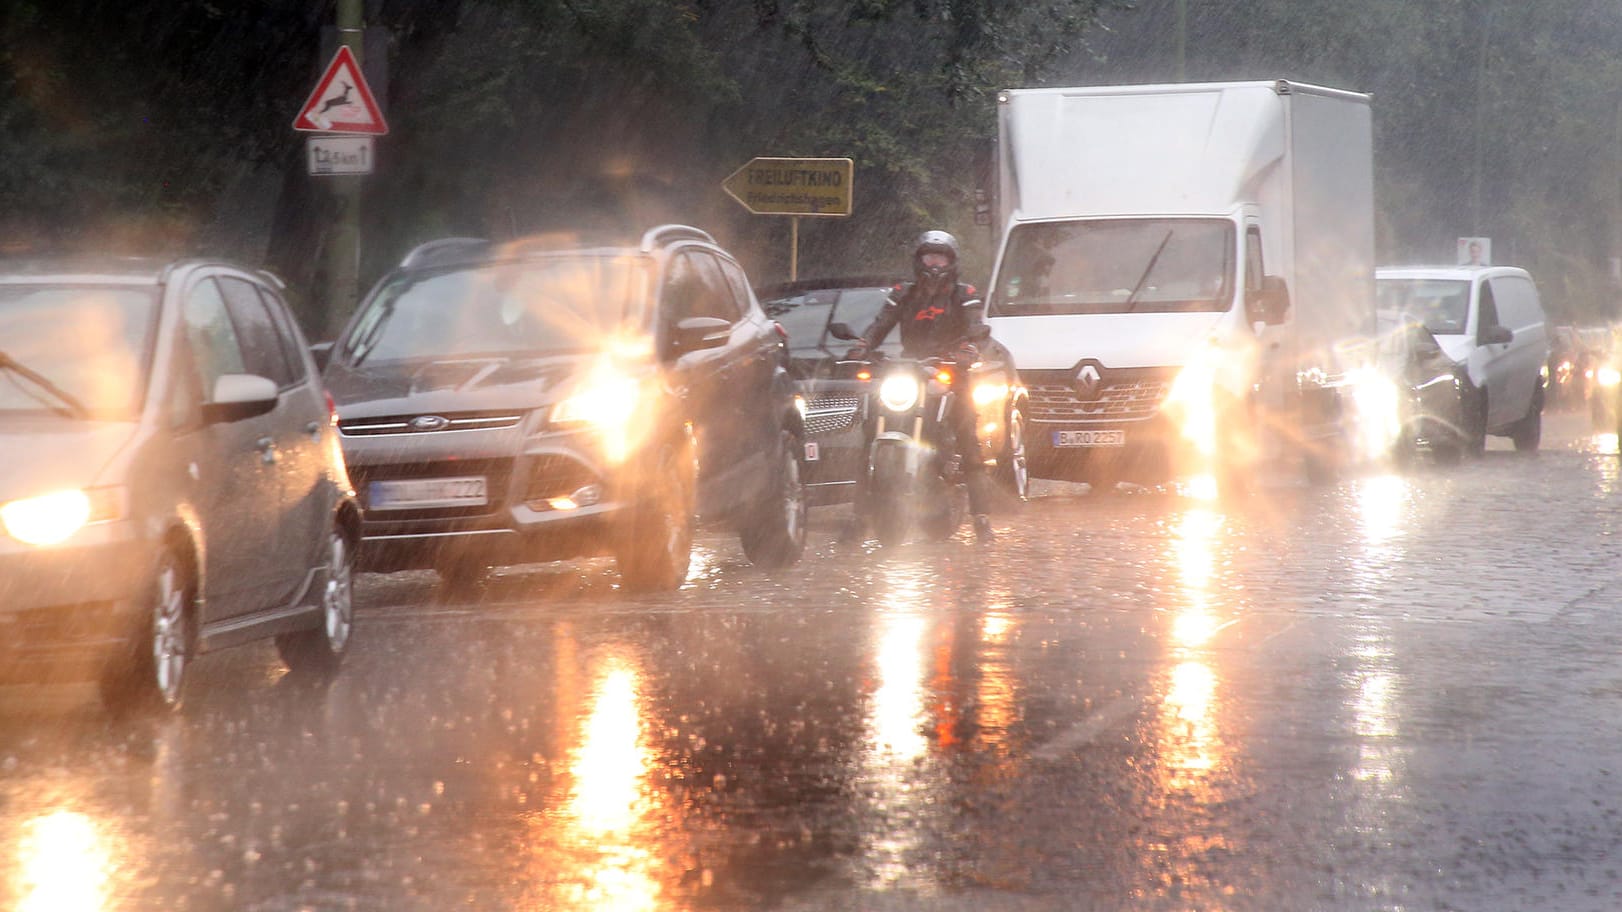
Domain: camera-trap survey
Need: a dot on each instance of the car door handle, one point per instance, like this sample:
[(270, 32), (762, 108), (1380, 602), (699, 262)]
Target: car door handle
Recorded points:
[(267, 450)]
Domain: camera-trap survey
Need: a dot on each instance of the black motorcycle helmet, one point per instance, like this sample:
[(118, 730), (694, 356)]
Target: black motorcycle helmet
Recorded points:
[(932, 270)]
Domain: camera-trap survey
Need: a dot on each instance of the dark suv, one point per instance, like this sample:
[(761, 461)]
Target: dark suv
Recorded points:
[(542, 399)]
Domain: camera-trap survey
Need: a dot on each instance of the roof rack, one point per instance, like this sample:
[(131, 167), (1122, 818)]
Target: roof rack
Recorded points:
[(666, 233), (442, 250), (271, 277)]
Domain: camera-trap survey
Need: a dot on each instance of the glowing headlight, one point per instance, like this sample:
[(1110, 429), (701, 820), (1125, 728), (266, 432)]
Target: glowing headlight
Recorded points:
[(1608, 376), (900, 392), (1190, 400), (603, 402), (52, 518), (988, 393)]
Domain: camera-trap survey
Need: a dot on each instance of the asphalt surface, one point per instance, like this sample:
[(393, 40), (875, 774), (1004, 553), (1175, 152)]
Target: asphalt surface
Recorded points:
[(1395, 692)]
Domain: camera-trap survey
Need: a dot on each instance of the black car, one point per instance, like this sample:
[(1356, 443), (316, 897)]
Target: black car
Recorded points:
[(1430, 389), (834, 398), (545, 398)]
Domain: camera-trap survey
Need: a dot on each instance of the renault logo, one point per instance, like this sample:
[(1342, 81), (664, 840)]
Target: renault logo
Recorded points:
[(430, 423), (1087, 382)]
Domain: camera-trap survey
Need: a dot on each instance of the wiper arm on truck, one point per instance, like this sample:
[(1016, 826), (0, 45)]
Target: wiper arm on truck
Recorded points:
[(69, 405), (1132, 299)]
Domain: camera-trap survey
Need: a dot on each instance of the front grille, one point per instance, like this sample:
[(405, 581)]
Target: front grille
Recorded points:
[(401, 424), (496, 474), (1129, 400), (826, 414)]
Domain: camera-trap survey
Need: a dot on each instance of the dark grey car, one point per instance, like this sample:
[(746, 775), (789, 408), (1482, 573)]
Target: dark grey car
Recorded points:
[(173, 482), (538, 400)]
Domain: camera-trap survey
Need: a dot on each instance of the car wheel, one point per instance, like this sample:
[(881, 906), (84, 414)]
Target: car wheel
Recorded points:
[(153, 675), (322, 649), (775, 535), (656, 546), (1013, 473), (1475, 441), (1528, 431)]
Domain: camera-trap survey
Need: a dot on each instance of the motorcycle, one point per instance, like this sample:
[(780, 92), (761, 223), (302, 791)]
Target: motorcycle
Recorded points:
[(913, 476)]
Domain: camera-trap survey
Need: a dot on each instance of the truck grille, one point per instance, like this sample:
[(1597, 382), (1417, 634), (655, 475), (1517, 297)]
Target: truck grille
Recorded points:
[(826, 414), (1126, 400)]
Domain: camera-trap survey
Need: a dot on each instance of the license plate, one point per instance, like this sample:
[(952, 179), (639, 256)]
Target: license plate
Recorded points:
[(1113, 438), (427, 493)]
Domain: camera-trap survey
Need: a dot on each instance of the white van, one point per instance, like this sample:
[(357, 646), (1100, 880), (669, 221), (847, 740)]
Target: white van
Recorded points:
[(1489, 319)]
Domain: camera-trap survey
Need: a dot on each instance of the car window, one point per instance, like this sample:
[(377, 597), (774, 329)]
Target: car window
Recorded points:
[(287, 331), (93, 343), (1487, 309), (542, 306), (738, 284), (262, 349), (1517, 301), (694, 287), (211, 335)]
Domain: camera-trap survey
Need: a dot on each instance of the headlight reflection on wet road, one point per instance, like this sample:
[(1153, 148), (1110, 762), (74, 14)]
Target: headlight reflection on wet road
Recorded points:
[(64, 863)]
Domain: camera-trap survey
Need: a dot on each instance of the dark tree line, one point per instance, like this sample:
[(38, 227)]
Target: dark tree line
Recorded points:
[(142, 126)]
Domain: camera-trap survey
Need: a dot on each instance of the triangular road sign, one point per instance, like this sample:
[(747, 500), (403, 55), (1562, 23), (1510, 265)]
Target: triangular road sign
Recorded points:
[(341, 102)]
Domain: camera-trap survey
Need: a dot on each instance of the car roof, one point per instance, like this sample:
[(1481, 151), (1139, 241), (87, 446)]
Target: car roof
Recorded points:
[(1446, 272), (470, 251), (112, 270)]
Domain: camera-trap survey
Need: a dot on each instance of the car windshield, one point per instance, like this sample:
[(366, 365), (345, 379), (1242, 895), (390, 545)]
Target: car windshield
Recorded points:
[(806, 316), (1443, 305), (79, 350), (540, 306), (1116, 266)]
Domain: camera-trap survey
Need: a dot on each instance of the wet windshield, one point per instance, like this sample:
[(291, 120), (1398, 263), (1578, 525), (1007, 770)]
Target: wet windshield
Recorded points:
[(1116, 266), (806, 316), (1443, 305), (536, 307), (75, 349)]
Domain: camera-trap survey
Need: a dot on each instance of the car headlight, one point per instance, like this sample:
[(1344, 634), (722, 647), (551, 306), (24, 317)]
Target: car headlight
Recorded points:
[(1608, 376), (604, 401), (50, 519), (900, 392)]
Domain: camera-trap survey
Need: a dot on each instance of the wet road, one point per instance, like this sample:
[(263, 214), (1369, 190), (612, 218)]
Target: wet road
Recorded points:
[(1393, 693)]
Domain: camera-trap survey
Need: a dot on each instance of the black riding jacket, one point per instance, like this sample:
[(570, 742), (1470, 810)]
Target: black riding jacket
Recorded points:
[(930, 324)]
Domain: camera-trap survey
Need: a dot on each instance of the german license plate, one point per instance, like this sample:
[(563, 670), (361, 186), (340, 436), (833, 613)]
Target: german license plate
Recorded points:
[(427, 493), (1112, 438)]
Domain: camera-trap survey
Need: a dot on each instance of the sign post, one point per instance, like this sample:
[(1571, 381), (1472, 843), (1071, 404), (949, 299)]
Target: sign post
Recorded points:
[(795, 187), (342, 104)]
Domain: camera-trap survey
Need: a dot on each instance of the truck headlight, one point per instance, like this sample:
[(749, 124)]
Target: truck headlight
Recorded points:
[(1191, 400), (900, 392), (50, 519), (1608, 376)]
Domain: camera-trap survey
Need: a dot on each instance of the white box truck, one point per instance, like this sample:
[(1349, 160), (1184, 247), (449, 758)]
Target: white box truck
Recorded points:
[(1184, 274)]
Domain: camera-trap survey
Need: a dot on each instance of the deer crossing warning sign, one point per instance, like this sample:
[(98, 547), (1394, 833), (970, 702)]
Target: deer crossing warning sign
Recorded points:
[(341, 102)]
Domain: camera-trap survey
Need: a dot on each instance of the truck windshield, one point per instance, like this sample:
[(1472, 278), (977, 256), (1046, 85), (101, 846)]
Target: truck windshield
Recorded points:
[(1443, 305), (543, 306), (1116, 266)]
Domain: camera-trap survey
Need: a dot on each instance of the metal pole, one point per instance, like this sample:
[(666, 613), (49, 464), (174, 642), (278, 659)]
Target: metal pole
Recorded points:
[(343, 245), (794, 248)]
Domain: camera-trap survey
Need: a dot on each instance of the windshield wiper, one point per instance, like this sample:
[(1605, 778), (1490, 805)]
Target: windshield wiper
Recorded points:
[(69, 404), (363, 346), (1132, 299)]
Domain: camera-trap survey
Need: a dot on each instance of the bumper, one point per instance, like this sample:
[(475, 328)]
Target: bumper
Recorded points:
[(1149, 452), (65, 612), (523, 536)]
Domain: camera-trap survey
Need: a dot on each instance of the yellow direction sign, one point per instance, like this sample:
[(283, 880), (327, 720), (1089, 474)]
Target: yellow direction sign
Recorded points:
[(793, 186)]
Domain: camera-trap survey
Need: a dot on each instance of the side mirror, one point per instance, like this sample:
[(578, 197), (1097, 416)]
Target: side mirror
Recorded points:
[(239, 396), (1270, 304), (842, 332), (699, 333), (1495, 335), (322, 353)]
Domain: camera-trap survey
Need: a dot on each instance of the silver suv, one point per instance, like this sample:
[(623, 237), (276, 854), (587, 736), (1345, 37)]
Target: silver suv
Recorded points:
[(173, 482), (545, 398)]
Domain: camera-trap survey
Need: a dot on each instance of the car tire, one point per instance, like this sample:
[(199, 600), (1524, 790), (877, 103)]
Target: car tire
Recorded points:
[(655, 547), (1013, 472), (1528, 433), (152, 676), (1475, 439), (774, 535), (321, 650)]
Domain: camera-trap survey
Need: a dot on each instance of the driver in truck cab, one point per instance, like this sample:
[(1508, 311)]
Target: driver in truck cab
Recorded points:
[(937, 315)]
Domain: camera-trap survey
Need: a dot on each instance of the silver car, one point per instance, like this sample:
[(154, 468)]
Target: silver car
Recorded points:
[(172, 479)]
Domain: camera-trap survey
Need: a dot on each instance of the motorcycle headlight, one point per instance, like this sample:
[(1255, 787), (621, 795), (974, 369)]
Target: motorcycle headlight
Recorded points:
[(900, 392), (53, 518)]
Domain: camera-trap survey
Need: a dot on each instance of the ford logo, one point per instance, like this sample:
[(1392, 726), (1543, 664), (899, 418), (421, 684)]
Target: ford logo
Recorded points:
[(430, 423)]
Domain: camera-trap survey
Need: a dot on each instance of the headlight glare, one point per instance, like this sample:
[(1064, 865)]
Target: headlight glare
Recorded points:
[(603, 402), (50, 519), (1608, 376), (900, 392)]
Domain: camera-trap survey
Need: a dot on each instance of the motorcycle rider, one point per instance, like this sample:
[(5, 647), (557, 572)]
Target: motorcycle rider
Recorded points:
[(937, 314)]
